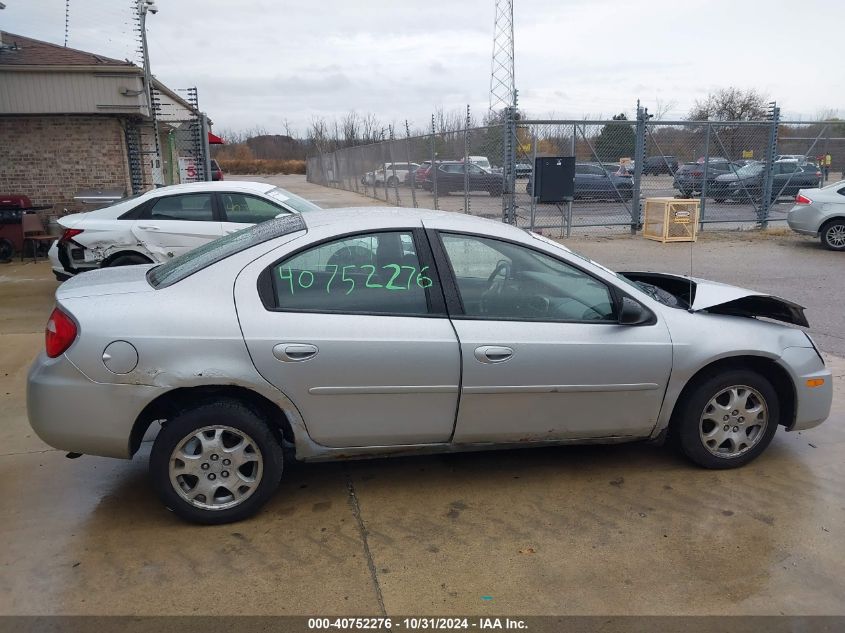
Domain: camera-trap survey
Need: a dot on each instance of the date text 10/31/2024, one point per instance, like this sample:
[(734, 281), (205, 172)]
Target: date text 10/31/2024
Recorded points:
[(397, 278)]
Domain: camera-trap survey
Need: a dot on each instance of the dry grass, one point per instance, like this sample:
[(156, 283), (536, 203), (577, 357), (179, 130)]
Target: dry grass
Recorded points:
[(261, 166)]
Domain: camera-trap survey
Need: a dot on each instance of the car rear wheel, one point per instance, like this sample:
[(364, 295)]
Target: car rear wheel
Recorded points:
[(216, 463), (393, 181), (833, 235), (728, 419)]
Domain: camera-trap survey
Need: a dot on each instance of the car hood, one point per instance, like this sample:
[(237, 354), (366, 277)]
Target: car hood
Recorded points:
[(720, 298), (106, 281)]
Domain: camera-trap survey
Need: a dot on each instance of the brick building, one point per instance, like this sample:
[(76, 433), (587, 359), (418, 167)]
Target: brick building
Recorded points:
[(71, 120)]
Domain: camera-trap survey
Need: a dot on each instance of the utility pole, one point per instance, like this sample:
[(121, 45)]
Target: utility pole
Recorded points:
[(143, 7)]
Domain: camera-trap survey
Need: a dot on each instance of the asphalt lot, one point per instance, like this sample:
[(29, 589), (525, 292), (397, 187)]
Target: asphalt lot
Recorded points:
[(629, 529)]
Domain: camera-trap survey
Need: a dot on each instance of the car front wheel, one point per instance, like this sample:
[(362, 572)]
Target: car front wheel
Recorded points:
[(833, 235), (216, 463), (728, 419)]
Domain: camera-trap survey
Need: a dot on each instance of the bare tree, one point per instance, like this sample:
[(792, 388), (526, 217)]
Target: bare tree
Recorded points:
[(662, 108), (730, 104)]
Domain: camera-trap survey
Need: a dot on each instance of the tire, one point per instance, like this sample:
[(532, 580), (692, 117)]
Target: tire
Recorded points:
[(832, 235), (393, 181), (128, 260), (223, 423), (7, 249), (693, 419)]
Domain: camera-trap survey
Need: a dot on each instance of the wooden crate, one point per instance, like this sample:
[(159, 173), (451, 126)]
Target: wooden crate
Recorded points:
[(671, 220)]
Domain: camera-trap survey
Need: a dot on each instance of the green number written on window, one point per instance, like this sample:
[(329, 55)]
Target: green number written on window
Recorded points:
[(396, 276)]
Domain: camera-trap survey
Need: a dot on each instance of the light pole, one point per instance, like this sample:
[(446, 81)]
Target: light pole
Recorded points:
[(144, 6)]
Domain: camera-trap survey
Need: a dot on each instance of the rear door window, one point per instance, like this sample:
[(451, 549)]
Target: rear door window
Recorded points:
[(192, 207), (361, 274)]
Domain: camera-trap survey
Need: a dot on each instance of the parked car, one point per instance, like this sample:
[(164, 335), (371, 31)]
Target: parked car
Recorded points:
[(689, 177), (523, 170), (451, 177), (746, 183), (216, 172), (417, 175), (392, 174), (160, 224), (660, 165), (602, 182), (481, 161), (821, 213), (344, 334)]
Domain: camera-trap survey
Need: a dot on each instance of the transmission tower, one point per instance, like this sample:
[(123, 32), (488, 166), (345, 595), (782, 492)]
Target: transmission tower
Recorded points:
[(502, 83)]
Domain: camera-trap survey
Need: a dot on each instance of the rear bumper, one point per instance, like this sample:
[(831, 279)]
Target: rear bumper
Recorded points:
[(805, 219), (812, 404), (73, 413)]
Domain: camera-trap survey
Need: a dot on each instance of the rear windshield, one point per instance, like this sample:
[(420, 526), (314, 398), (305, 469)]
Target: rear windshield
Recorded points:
[(193, 261)]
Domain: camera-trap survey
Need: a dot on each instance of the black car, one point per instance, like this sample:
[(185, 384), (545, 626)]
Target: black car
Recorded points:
[(451, 177), (689, 177), (660, 165), (597, 182), (788, 176)]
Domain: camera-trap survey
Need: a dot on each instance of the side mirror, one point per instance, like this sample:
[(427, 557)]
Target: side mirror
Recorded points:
[(634, 313)]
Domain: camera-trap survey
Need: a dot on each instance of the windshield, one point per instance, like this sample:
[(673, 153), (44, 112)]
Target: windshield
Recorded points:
[(300, 205), (188, 263)]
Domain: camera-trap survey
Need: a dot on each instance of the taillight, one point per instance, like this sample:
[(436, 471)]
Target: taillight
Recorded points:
[(69, 234), (59, 334), (802, 199)]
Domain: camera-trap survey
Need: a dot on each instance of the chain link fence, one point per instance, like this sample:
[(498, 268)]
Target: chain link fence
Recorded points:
[(744, 173)]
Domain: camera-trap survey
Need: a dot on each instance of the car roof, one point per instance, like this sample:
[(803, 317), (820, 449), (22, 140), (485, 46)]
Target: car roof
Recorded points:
[(220, 185), (352, 219)]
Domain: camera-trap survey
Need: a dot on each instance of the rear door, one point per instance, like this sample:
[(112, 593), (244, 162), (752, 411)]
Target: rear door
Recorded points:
[(171, 225), (354, 331)]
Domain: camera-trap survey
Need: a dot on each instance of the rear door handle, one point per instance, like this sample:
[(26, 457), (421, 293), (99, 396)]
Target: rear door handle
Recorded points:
[(493, 354), (145, 227), (294, 352)]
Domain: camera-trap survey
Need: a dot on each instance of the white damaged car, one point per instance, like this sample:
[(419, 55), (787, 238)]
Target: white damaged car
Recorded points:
[(158, 225)]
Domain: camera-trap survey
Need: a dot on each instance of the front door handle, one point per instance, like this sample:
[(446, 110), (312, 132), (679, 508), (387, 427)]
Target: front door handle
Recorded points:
[(493, 354), (145, 227), (294, 352)]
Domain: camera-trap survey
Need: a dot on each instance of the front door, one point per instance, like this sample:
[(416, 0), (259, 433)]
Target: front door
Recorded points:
[(544, 357), (352, 331), (173, 225)]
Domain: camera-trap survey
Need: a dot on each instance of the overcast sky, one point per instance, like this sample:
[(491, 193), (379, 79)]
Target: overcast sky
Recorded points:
[(259, 62)]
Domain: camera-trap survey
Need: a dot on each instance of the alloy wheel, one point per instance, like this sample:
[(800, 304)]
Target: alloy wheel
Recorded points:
[(733, 421), (835, 235), (216, 467)]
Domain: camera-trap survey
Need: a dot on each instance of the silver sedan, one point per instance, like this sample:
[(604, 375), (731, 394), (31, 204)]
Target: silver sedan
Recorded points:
[(821, 213), (362, 332)]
